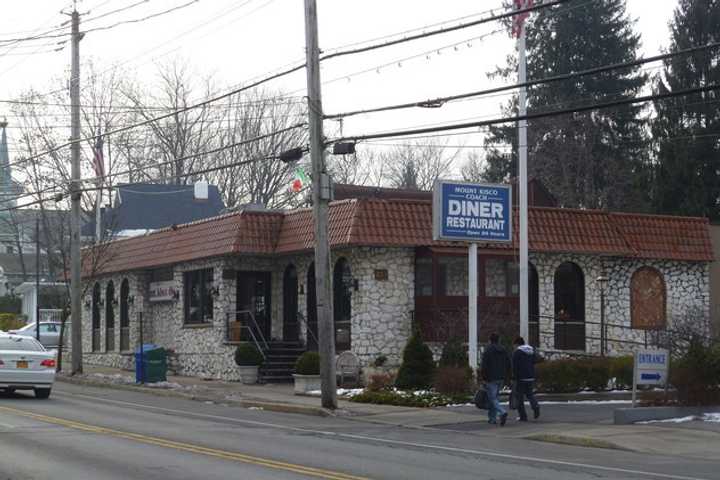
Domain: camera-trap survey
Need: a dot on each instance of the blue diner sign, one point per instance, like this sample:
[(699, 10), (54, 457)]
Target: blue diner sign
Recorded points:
[(472, 212)]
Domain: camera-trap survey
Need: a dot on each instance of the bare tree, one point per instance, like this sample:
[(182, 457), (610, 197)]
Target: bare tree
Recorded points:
[(418, 165), (473, 168)]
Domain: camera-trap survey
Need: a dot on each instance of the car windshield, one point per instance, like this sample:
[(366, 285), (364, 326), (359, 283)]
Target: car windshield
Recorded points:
[(20, 343)]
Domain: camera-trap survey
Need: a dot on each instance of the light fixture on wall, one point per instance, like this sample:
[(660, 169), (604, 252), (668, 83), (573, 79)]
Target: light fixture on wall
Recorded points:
[(176, 295), (215, 292), (87, 304), (101, 302), (131, 300)]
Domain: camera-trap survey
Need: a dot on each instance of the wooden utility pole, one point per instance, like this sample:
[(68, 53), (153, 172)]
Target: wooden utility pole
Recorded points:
[(75, 260), (37, 278), (321, 196)]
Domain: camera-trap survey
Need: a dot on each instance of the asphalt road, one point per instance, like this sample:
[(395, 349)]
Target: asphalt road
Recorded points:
[(95, 433)]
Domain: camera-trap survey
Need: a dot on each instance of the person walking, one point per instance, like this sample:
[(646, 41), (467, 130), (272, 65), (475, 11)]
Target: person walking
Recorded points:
[(523, 364), (494, 371)]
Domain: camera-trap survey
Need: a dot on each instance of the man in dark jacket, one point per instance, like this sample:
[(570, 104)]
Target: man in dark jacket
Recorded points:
[(523, 362), (494, 370)]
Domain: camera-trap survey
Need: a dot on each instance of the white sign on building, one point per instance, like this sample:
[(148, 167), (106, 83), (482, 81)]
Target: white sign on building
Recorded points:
[(162, 291)]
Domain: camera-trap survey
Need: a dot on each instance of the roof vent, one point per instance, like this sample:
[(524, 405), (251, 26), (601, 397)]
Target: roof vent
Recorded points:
[(201, 190)]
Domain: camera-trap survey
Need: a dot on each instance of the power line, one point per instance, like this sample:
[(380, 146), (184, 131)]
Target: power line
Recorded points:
[(55, 186), (142, 19), (492, 18), (529, 116), (437, 102)]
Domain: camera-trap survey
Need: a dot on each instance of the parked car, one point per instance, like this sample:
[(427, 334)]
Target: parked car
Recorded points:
[(25, 365), (49, 333)]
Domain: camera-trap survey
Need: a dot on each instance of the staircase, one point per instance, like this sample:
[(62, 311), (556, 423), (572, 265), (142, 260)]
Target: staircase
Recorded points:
[(280, 361)]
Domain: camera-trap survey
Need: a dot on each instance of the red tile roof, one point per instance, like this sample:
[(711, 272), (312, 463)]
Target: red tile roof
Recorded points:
[(408, 223)]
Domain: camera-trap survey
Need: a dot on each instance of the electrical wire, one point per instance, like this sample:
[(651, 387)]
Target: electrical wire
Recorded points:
[(440, 31), (529, 116), (531, 83), (142, 19)]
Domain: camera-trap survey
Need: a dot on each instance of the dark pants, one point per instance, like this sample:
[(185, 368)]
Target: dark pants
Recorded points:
[(525, 389)]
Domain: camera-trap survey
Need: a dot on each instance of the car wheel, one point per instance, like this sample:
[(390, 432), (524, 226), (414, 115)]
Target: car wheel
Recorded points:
[(42, 392)]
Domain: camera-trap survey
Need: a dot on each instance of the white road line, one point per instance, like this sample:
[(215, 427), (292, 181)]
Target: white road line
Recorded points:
[(484, 453)]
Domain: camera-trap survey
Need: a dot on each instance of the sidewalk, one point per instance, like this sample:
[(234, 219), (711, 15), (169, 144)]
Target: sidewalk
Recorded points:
[(596, 430)]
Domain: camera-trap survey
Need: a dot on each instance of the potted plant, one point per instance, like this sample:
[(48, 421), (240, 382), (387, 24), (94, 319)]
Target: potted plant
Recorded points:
[(307, 373), (248, 358)]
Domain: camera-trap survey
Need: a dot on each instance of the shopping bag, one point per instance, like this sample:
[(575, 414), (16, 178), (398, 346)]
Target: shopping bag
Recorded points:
[(481, 398)]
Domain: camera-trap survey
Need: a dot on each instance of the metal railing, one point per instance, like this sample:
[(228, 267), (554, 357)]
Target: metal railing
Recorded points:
[(50, 315), (244, 327), (302, 320)]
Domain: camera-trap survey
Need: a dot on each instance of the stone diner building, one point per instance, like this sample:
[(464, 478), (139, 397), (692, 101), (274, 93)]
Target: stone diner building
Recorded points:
[(201, 288)]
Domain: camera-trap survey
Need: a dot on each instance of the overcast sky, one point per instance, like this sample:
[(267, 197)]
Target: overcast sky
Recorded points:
[(237, 40)]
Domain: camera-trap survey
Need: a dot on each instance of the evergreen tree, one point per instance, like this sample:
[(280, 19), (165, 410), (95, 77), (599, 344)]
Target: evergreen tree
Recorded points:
[(592, 159), (687, 128)]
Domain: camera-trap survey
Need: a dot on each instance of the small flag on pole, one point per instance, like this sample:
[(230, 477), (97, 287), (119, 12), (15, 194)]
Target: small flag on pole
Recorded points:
[(299, 181), (98, 158), (519, 19)]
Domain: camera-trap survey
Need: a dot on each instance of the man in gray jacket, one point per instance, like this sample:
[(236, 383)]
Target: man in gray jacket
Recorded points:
[(523, 360)]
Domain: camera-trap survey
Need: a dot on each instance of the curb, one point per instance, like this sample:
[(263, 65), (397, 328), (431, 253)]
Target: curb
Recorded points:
[(627, 416), (168, 393)]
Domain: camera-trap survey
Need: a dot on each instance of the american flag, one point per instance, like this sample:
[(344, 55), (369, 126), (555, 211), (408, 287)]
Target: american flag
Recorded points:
[(98, 159), (519, 19)]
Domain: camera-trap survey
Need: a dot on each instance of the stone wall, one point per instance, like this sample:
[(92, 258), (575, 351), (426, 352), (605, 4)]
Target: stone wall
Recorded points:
[(687, 291), (381, 306)]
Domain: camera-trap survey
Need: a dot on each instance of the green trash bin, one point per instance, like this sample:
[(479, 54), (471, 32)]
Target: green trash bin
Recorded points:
[(155, 364)]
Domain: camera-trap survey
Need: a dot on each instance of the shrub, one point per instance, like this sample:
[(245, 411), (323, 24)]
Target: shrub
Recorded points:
[(596, 373), (453, 380), (572, 375), (380, 381), (308, 364), (621, 368), (418, 366), (407, 399), (247, 354), (453, 354), (696, 375), (10, 321)]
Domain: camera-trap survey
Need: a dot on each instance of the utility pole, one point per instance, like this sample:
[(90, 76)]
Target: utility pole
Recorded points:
[(75, 260), (522, 178), (321, 197), (37, 278)]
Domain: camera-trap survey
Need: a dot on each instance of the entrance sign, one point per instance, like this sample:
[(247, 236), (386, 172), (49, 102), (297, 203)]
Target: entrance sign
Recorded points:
[(472, 212), (650, 368)]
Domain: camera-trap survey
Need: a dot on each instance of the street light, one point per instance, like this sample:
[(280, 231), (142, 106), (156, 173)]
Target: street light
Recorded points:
[(602, 282)]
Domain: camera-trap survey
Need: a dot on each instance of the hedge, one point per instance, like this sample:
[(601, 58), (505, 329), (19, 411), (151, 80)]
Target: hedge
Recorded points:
[(10, 321), (573, 375)]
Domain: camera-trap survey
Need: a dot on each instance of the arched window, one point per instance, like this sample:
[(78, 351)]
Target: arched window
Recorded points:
[(569, 307), (290, 304), (533, 307), (647, 299), (110, 317), (311, 305), (342, 304), (124, 316), (96, 299)]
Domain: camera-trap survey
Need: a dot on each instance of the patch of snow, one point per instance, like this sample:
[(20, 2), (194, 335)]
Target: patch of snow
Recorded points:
[(341, 392), (171, 385), (455, 405), (592, 392), (712, 417), (689, 418), (256, 408)]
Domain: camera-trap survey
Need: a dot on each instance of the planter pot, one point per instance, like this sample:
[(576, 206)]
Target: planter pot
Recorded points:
[(306, 383), (249, 374)]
